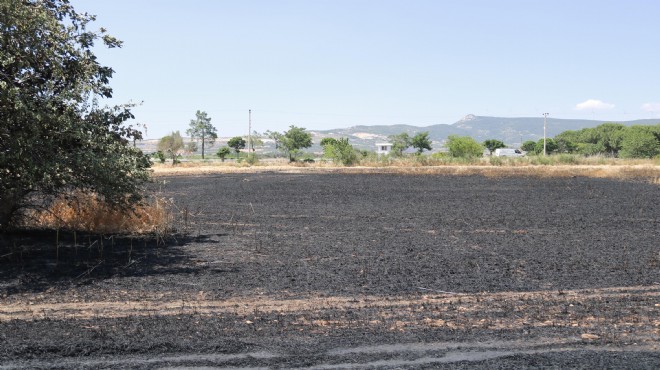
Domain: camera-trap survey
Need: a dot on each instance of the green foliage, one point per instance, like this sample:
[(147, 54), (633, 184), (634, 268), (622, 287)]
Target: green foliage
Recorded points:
[(421, 141), (565, 145), (528, 146), (237, 143), (641, 142), (223, 153), (171, 144), (550, 146), (568, 158), (202, 130), (611, 139), (276, 137), (192, 147), (497, 161), (492, 144), (464, 147), (292, 141), (340, 151), (400, 143), (328, 141), (611, 136), (590, 149), (54, 135), (252, 159), (256, 141), (160, 156)]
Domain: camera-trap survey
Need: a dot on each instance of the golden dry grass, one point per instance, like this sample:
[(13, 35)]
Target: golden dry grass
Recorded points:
[(621, 170), (88, 212)]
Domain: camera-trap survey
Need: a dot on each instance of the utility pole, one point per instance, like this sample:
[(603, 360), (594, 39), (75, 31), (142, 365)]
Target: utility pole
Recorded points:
[(545, 127), (249, 132)]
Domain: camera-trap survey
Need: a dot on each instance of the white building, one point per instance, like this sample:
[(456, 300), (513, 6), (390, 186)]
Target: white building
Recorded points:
[(383, 148)]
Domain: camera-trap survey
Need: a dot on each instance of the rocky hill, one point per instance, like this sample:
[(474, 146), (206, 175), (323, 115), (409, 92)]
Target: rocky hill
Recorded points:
[(512, 131)]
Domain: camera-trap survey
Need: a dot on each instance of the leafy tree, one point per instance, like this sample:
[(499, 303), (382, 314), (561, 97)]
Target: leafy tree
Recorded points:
[(340, 151), (528, 146), (237, 143), (328, 141), (54, 136), (641, 142), (421, 141), (603, 139), (223, 152), (400, 143), (590, 149), (492, 144), (550, 146), (256, 140), (610, 135), (464, 147), (191, 147), (171, 144), (564, 145), (276, 137), (292, 141), (568, 141), (202, 130), (160, 156)]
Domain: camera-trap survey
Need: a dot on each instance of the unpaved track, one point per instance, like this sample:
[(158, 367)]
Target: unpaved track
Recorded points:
[(351, 271)]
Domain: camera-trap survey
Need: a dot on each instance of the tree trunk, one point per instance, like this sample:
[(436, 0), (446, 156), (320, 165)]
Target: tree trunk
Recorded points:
[(9, 202), (203, 140)]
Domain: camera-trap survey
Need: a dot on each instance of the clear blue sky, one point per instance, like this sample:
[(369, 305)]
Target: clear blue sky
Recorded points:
[(325, 64)]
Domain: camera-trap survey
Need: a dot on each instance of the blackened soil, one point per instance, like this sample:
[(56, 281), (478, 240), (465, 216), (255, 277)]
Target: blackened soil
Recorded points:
[(328, 270)]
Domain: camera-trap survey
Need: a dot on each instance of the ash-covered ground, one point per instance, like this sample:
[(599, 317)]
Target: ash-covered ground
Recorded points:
[(349, 271)]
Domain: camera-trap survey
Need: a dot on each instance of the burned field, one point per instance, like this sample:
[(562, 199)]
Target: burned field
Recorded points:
[(350, 270)]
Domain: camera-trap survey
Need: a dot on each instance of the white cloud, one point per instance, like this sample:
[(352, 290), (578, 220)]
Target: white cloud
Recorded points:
[(651, 107), (593, 104)]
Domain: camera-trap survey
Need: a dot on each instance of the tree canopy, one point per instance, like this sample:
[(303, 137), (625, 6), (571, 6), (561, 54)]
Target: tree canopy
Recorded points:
[(464, 146), (202, 130), (400, 142), (492, 145), (340, 151), (237, 143), (291, 141), (223, 153), (641, 142), (421, 141), (611, 139), (328, 141), (54, 135), (551, 146), (171, 144)]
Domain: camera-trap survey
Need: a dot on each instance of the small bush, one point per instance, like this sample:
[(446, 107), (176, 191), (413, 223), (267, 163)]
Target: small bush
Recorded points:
[(568, 159), (497, 161), (541, 160), (252, 159), (160, 156)]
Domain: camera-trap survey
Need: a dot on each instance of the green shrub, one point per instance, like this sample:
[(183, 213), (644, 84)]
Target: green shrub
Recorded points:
[(497, 161), (567, 159), (160, 156)]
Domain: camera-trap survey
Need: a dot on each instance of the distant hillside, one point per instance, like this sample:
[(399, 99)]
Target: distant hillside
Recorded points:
[(512, 131)]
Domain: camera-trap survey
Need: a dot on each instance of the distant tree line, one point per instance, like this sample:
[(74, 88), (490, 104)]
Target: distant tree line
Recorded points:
[(611, 139)]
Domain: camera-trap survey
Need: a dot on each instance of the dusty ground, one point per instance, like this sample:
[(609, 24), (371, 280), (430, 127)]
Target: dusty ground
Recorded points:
[(323, 270)]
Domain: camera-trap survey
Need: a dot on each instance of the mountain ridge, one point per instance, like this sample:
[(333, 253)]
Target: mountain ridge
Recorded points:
[(511, 130)]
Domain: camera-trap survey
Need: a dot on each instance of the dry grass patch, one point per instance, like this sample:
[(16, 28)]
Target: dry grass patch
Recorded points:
[(87, 212), (596, 167)]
